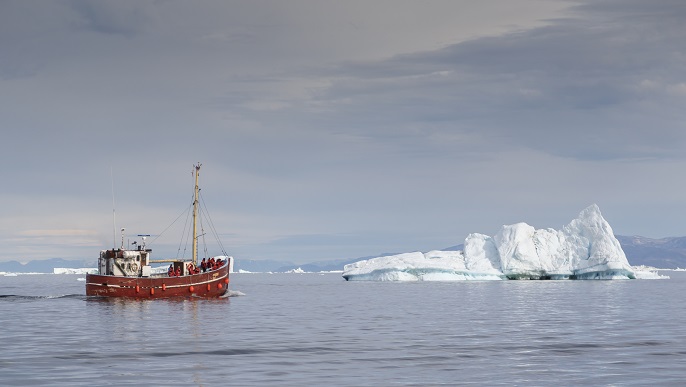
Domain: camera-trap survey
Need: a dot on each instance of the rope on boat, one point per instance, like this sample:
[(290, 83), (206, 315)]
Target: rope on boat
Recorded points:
[(212, 228), (184, 240)]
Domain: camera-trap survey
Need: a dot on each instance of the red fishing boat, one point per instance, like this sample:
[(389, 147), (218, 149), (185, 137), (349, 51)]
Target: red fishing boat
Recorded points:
[(125, 272)]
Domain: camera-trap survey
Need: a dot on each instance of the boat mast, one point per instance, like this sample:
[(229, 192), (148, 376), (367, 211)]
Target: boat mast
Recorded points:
[(114, 216), (195, 216)]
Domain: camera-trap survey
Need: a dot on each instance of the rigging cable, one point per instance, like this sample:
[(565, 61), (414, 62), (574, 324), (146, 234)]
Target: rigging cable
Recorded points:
[(186, 233), (212, 228), (168, 227), (202, 233)]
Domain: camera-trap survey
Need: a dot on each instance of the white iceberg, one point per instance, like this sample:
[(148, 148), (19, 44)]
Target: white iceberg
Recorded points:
[(296, 271), (586, 248), (647, 272), (68, 270)]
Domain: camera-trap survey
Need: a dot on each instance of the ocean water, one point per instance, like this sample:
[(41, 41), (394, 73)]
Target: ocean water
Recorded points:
[(317, 329)]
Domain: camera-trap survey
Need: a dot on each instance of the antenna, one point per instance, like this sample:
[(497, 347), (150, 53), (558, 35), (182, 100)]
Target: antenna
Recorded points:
[(144, 236), (114, 219)]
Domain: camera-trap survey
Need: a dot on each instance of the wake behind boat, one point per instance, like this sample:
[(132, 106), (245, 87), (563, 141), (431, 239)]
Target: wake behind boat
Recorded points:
[(124, 272)]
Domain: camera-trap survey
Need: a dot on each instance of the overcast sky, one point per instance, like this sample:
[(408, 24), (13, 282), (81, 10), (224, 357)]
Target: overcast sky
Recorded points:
[(337, 129)]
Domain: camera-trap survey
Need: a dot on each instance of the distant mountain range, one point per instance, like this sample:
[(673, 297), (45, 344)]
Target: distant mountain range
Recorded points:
[(664, 253)]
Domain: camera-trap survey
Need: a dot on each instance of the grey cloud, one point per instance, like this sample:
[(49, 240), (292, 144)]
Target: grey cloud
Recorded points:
[(126, 18), (573, 88), (307, 132)]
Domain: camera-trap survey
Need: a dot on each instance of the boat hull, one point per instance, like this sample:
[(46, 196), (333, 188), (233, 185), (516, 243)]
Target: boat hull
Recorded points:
[(210, 284)]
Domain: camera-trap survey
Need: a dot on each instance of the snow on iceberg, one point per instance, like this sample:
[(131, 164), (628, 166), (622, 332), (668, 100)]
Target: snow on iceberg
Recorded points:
[(586, 248), (432, 266), (296, 271), (68, 270)]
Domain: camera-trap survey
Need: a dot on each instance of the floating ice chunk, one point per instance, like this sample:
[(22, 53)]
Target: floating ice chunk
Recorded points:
[(586, 248), (68, 270), (432, 266), (647, 272)]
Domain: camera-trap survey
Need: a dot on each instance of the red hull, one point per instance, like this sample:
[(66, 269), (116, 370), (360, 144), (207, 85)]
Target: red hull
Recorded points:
[(211, 284)]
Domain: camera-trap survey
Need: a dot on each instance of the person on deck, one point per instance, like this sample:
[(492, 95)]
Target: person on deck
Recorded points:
[(178, 272), (170, 271), (203, 265)]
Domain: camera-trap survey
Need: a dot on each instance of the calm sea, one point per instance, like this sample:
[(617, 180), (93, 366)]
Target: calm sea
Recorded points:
[(317, 330)]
